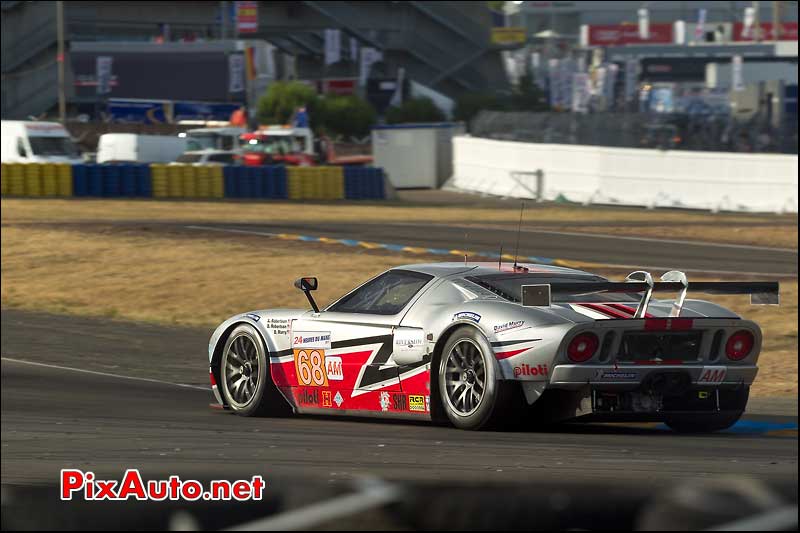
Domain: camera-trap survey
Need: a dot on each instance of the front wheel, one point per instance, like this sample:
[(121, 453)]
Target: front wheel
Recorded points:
[(470, 390), (247, 386), (702, 422)]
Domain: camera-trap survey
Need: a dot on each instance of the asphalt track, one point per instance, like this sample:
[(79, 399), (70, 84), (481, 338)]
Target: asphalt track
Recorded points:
[(632, 252), (105, 421)]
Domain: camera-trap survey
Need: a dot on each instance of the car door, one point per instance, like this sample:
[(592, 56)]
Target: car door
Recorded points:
[(347, 347)]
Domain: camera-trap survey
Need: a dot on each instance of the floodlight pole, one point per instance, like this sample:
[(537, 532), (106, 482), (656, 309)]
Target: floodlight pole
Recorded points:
[(62, 100)]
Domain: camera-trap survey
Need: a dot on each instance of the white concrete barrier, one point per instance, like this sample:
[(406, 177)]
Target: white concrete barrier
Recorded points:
[(628, 176)]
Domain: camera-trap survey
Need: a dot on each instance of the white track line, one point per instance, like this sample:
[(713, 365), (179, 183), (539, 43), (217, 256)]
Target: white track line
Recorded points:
[(231, 230), (609, 265), (105, 374)]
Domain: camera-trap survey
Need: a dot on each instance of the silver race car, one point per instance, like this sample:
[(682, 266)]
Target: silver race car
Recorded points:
[(481, 345)]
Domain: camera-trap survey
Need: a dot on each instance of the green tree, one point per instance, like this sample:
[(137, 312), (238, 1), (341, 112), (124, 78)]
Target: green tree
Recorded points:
[(282, 99), (349, 116), (415, 110)]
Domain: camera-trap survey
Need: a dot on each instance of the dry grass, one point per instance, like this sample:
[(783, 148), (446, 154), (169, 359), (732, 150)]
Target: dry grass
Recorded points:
[(780, 231), (174, 279)]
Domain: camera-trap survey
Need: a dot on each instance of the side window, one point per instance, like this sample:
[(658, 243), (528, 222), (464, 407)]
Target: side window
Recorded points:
[(21, 148), (221, 158), (387, 294)]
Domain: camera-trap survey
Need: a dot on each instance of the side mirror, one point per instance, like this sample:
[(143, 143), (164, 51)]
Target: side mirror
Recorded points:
[(307, 285)]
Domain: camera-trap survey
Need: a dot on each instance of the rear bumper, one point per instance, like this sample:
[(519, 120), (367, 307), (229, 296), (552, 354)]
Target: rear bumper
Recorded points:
[(574, 377)]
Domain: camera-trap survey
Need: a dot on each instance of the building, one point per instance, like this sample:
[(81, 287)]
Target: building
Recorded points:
[(444, 46)]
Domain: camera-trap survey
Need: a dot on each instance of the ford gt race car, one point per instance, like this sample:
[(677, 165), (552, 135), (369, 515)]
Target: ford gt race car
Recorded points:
[(482, 344)]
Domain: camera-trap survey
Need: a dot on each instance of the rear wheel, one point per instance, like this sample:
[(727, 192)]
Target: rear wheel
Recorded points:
[(471, 393), (247, 386), (702, 422)]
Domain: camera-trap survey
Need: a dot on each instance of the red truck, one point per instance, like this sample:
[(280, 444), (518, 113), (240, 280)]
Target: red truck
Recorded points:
[(297, 147)]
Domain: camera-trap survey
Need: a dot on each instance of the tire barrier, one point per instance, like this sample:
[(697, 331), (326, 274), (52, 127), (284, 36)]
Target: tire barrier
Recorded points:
[(364, 183), (124, 180), (268, 181)]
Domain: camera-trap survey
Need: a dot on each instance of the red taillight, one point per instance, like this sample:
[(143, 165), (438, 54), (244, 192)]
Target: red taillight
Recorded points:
[(213, 381), (582, 347), (739, 345)]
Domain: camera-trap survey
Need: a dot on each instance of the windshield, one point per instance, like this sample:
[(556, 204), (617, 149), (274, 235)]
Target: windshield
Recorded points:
[(509, 287), (62, 146), (203, 141), (273, 145), (189, 158)]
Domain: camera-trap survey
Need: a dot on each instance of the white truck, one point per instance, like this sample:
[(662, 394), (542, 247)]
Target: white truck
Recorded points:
[(135, 148), (37, 142)]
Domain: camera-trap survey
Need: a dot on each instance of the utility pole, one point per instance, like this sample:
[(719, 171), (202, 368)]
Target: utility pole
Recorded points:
[(62, 101), (776, 21)]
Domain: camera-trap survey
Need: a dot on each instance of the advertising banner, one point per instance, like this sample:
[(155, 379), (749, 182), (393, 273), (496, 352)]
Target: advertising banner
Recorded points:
[(246, 17), (103, 74), (333, 46), (235, 73)]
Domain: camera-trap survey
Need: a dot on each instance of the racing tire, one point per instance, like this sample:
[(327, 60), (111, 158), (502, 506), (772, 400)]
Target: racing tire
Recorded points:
[(246, 382), (702, 422), (471, 393)]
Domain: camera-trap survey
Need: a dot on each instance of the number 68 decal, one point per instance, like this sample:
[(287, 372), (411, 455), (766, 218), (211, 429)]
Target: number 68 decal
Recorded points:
[(310, 366)]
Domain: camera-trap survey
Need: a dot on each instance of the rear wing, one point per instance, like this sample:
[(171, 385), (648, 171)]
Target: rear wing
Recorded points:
[(761, 292)]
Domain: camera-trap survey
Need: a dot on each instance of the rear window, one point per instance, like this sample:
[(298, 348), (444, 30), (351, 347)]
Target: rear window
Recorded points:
[(509, 287), (188, 158), (53, 146), (221, 158)]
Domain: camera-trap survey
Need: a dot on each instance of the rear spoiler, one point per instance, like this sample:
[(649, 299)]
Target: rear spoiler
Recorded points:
[(761, 292)]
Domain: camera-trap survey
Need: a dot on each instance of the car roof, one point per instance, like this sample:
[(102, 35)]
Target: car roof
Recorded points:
[(442, 270)]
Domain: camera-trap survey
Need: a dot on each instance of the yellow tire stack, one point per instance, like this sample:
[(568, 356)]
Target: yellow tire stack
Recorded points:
[(33, 179), (189, 180), (217, 181), (63, 179), (49, 179), (16, 179), (332, 183), (175, 181), (203, 189), (316, 183), (4, 177), (160, 180)]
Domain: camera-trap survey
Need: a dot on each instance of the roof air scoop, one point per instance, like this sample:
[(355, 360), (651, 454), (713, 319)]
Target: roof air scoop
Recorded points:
[(641, 276), (678, 277)]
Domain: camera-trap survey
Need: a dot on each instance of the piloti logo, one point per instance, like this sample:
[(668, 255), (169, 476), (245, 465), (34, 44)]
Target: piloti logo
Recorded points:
[(528, 370)]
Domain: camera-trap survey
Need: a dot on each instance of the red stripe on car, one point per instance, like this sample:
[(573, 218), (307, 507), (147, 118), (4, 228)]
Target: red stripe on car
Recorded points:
[(628, 309), (606, 310), (504, 355)]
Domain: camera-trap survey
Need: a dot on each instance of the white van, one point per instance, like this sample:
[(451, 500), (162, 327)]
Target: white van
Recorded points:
[(37, 142), (134, 148)]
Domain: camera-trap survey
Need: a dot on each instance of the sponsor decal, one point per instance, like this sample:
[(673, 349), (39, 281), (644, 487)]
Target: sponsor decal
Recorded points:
[(713, 374), (384, 401), (399, 402), (508, 325), (311, 339), (467, 315), (252, 316), (326, 399), (528, 370), (416, 403), (279, 326), (338, 399), (409, 340), (306, 396), (427, 404), (615, 374), (333, 367), (376, 374), (309, 365)]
